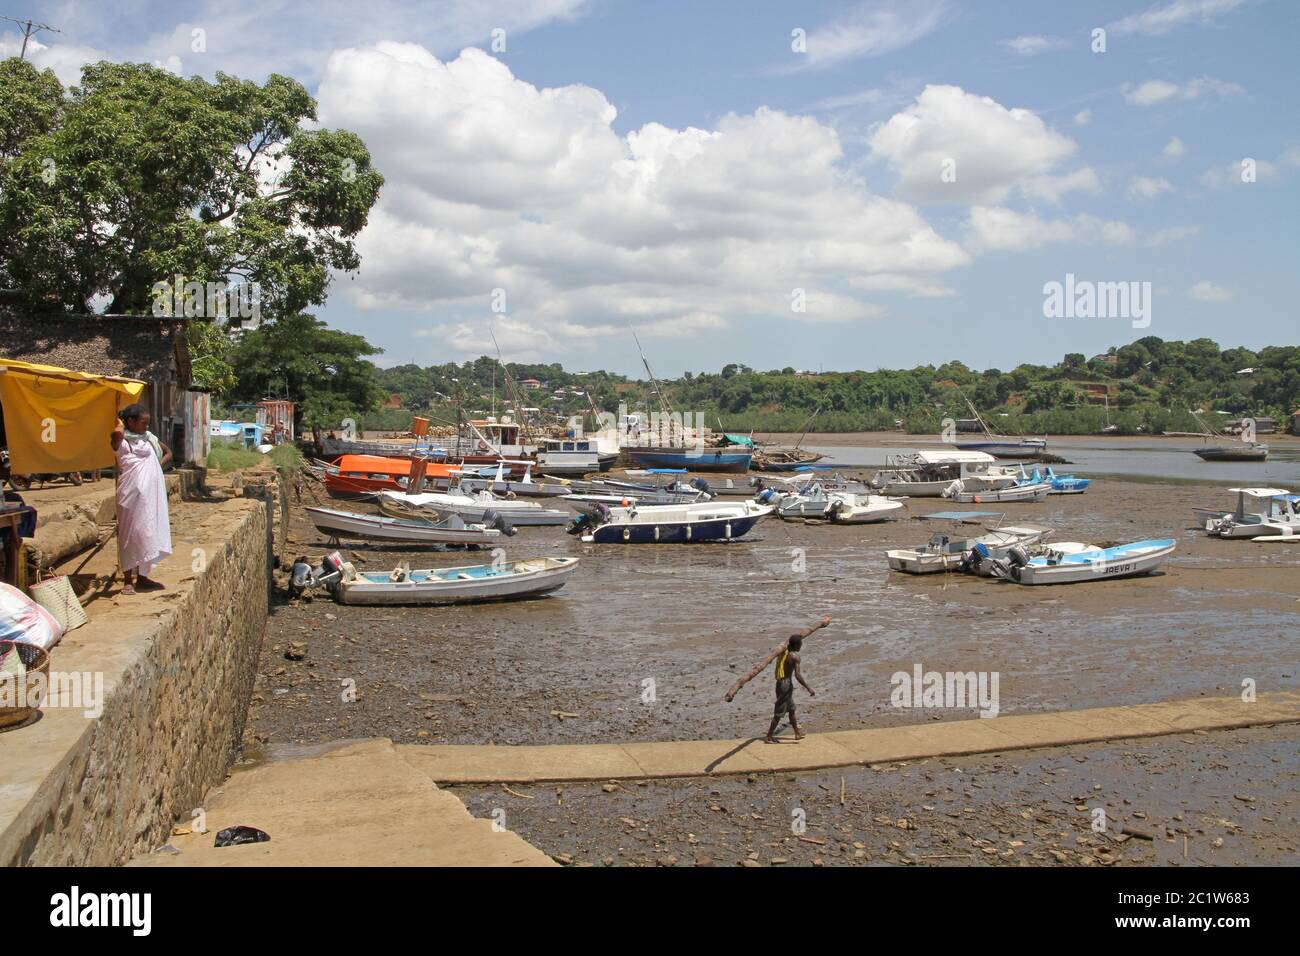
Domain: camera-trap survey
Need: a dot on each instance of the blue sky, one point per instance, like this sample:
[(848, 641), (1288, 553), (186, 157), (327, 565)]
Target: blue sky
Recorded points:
[(678, 167)]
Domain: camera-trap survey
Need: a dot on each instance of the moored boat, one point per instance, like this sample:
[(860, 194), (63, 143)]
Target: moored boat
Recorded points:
[(946, 553), (1242, 451), (461, 585), (470, 507), (1097, 564), (451, 530), (1025, 491), (670, 524), (1260, 513), (928, 474)]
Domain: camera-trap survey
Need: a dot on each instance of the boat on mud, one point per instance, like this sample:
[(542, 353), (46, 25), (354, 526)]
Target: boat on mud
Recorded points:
[(816, 503), (944, 552), (928, 474), (1096, 564), (1061, 484), (1021, 491), (1241, 451), (470, 584), (362, 476), (470, 507), (669, 524), (1261, 514), (451, 530)]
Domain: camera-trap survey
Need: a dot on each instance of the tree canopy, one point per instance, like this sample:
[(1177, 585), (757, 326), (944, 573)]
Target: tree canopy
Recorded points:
[(137, 175)]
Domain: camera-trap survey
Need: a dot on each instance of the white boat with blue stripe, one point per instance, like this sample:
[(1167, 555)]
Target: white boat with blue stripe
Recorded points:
[(1096, 564)]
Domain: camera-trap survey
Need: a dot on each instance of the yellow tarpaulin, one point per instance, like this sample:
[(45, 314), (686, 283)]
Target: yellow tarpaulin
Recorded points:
[(57, 420)]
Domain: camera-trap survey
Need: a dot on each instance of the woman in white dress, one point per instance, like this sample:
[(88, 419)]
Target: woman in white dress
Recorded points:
[(144, 535)]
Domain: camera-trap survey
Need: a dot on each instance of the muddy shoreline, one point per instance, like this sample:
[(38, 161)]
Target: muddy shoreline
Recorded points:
[(684, 621)]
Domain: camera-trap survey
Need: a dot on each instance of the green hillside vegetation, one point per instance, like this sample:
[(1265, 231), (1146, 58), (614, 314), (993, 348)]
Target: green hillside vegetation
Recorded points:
[(1150, 384)]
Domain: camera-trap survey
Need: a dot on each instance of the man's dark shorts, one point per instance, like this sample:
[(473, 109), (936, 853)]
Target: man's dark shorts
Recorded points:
[(784, 697)]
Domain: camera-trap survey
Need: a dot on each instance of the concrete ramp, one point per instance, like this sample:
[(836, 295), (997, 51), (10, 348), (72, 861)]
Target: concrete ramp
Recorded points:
[(356, 804)]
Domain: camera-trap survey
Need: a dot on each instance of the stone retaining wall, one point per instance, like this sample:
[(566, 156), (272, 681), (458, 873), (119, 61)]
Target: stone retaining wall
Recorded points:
[(179, 668)]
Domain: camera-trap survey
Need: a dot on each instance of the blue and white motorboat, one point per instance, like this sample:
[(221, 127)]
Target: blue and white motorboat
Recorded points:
[(669, 524), (1096, 564), (1061, 484)]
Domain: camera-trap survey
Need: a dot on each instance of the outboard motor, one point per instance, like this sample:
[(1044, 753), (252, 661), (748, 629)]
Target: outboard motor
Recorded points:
[(978, 555), (699, 484), (579, 524), (1017, 557), (766, 495), (494, 520)]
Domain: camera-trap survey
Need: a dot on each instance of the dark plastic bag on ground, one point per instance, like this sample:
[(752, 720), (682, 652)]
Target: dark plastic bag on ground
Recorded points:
[(234, 836)]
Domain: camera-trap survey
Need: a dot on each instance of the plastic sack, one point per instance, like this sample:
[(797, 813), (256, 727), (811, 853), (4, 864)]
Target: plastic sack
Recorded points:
[(22, 619)]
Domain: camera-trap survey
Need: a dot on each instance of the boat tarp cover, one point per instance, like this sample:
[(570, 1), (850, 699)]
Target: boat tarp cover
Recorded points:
[(738, 439), (58, 420)]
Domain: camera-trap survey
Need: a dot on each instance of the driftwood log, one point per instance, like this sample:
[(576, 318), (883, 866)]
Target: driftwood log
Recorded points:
[(776, 652)]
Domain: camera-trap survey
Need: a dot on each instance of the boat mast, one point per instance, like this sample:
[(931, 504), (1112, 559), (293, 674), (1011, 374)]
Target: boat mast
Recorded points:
[(806, 427), (511, 393), (664, 404)]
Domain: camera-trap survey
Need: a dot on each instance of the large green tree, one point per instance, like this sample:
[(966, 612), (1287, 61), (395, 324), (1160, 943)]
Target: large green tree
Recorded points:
[(324, 371), (137, 175)]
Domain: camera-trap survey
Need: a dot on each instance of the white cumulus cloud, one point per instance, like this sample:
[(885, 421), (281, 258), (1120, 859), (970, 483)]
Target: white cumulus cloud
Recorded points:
[(1000, 229), (493, 183), (1153, 92), (955, 146)]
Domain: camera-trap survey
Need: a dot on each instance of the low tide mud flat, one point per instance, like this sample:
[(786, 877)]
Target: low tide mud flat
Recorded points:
[(691, 618), (1224, 798), (683, 621)]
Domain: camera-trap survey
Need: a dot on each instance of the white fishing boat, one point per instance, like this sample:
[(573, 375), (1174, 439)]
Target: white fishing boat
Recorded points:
[(816, 503), (451, 530), (471, 507), (669, 524), (461, 585), (1097, 564), (1261, 513), (1024, 491), (928, 474), (944, 552), (863, 509)]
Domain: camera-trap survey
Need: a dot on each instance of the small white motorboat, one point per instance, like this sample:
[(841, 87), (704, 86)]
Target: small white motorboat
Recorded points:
[(1097, 564), (862, 509), (470, 507), (1261, 514), (451, 530), (462, 585), (946, 553), (1026, 491)]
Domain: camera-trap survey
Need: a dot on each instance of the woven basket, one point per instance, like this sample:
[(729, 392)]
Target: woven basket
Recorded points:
[(37, 661), (57, 596)]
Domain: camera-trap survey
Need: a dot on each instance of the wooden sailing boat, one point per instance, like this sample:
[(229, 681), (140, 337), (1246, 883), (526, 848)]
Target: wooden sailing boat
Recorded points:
[(774, 458)]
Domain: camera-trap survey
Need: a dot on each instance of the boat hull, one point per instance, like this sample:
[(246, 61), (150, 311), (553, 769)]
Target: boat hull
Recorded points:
[(707, 459), (1019, 493), (1126, 561), (1225, 453), (382, 528), (517, 584), (1005, 449), (676, 532)]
